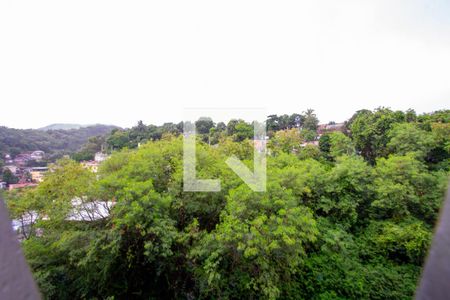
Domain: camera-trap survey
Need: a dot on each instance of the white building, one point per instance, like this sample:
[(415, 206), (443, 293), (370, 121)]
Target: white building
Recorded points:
[(100, 156), (37, 155), (12, 168)]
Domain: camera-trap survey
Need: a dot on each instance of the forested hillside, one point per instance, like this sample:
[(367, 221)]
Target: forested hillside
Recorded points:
[(15, 141), (349, 218)]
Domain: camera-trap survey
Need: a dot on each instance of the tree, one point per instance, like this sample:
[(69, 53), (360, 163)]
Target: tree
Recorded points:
[(231, 126), (369, 131), (272, 123), (242, 131), (405, 242), (217, 133), (286, 141), (87, 152), (411, 115), (118, 139), (295, 121), (441, 116), (340, 144), (83, 156), (348, 191), (309, 151), (242, 150), (439, 156), (310, 120), (220, 127), (404, 188), (9, 177), (23, 206), (140, 134), (66, 184), (171, 128), (325, 144), (284, 122), (203, 125), (406, 137), (263, 236), (308, 135)]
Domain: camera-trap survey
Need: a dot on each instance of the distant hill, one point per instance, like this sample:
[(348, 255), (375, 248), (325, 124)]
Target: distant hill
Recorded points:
[(67, 126), (62, 126), (14, 141)]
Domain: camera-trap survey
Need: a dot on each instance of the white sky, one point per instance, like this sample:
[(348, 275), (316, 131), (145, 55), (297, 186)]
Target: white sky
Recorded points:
[(116, 62)]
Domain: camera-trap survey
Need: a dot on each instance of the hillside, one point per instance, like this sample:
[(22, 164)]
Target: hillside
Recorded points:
[(14, 141)]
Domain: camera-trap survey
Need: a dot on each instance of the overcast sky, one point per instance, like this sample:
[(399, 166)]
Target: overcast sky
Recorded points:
[(117, 62)]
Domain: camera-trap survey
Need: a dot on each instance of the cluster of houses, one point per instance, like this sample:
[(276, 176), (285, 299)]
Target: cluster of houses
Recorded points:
[(325, 128), (19, 167), (32, 176), (24, 158), (93, 165), (82, 209)]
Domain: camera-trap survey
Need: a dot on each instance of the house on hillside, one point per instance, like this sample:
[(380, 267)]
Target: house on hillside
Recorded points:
[(8, 159), (37, 155), (100, 156), (21, 185), (91, 165), (22, 159), (323, 128), (312, 143), (37, 173), (261, 144), (11, 168)]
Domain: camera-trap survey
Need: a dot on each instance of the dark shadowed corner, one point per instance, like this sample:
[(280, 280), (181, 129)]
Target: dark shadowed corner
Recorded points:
[(435, 282), (16, 281)]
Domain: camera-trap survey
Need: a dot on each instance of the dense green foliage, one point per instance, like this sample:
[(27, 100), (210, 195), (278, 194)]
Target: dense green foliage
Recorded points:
[(9, 177), (211, 133), (350, 219)]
